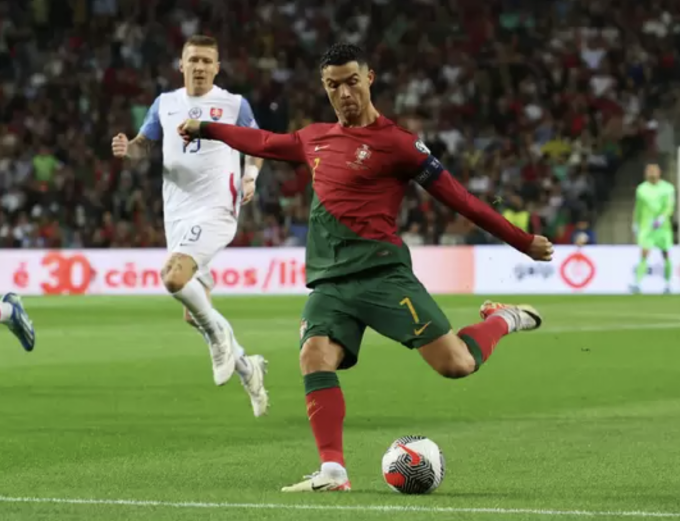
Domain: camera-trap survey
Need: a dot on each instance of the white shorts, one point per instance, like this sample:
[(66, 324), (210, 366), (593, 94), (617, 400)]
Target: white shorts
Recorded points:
[(201, 240)]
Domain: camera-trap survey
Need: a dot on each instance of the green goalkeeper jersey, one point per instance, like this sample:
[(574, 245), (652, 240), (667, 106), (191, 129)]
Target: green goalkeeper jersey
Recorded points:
[(652, 202)]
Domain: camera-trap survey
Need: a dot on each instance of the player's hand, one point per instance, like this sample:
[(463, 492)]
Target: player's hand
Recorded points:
[(657, 223), (541, 249), (248, 187), (189, 130), (119, 145)]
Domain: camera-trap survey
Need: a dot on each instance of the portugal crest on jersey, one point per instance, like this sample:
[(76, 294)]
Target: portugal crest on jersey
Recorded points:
[(215, 113), (362, 153)]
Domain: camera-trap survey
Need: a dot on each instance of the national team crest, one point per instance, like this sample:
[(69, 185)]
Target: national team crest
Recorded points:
[(195, 112), (362, 153), (215, 113)]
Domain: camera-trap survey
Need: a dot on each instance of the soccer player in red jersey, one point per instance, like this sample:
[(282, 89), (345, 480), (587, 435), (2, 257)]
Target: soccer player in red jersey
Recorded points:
[(358, 268)]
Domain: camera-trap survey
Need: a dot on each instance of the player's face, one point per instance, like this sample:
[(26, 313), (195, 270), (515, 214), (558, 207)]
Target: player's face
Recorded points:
[(653, 173), (199, 65), (349, 88)]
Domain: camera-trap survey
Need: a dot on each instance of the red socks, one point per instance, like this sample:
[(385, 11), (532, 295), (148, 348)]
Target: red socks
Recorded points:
[(326, 413), (482, 338)]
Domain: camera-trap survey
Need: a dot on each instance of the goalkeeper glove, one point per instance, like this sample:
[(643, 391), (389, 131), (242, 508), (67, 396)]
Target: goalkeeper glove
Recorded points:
[(658, 222)]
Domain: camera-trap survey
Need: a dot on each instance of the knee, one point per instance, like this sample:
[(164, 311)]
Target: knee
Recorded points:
[(175, 276), (449, 356), (173, 283), (320, 354), (458, 367)]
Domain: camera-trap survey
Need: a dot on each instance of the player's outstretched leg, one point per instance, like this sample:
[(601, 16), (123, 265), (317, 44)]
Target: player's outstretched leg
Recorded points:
[(319, 359), (458, 356), (14, 316), (250, 369), (179, 278)]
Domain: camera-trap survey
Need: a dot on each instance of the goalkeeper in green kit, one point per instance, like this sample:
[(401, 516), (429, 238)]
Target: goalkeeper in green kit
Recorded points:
[(652, 226)]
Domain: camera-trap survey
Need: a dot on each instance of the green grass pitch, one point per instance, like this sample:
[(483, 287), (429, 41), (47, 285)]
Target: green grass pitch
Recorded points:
[(117, 403)]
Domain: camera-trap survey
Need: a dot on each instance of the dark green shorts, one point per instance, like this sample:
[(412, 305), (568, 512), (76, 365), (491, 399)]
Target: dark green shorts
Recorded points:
[(390, 300)]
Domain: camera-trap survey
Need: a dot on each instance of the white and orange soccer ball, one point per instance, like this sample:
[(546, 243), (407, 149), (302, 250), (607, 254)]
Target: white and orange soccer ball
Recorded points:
[(413, 465)]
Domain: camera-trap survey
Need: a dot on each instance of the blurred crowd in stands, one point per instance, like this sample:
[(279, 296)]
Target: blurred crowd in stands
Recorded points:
[(534, 104)]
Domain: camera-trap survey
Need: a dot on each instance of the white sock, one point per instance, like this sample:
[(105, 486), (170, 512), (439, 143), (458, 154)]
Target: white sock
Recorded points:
[(193, 296), (334, 470), (222, 321), (242, 364), (243, 367), (510, 318), (5, 312)]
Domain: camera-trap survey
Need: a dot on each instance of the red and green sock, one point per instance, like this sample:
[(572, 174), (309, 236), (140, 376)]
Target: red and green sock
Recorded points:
[(481, 339), (326, 413)]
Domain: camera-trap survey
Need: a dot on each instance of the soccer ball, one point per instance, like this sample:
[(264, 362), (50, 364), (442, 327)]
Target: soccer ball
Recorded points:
[(413, 465)]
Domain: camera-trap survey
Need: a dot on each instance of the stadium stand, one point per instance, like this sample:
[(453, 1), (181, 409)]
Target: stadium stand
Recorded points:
[(533, 104)]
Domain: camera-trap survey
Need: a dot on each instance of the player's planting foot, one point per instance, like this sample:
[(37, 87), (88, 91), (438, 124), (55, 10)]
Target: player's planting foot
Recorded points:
[(521, 317), (253, 383), (223, 360), (634, 288), (325, 480), (17, 320)]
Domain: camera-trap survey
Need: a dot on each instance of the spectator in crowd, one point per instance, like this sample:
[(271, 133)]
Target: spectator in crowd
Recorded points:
[(525, 100)]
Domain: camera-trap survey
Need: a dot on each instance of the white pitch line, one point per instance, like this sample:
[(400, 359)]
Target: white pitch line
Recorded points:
[(617, 327), (359, 508)]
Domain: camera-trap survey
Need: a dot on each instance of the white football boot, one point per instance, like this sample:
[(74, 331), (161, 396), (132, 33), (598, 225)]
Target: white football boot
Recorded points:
[(521, 317), (322, 481), (254, 385)]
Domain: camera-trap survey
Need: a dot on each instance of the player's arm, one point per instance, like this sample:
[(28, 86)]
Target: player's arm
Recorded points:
[(149, 134), (445, 188), (669, 207), (140, 147), (250, 141)]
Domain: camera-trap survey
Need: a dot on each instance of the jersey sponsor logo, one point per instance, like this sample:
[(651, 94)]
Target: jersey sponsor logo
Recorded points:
[(216, 113), (420, 146), (195, 112)]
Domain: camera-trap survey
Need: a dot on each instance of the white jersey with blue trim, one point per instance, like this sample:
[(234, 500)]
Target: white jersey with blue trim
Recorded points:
[(202, 178)]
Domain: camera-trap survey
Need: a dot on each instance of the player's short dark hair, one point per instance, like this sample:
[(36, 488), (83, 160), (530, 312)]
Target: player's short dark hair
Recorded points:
[(342, 53), (201, 40)]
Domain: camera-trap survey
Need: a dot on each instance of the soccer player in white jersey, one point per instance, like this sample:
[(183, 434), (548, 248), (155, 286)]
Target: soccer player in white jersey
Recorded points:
[(202, 192)]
